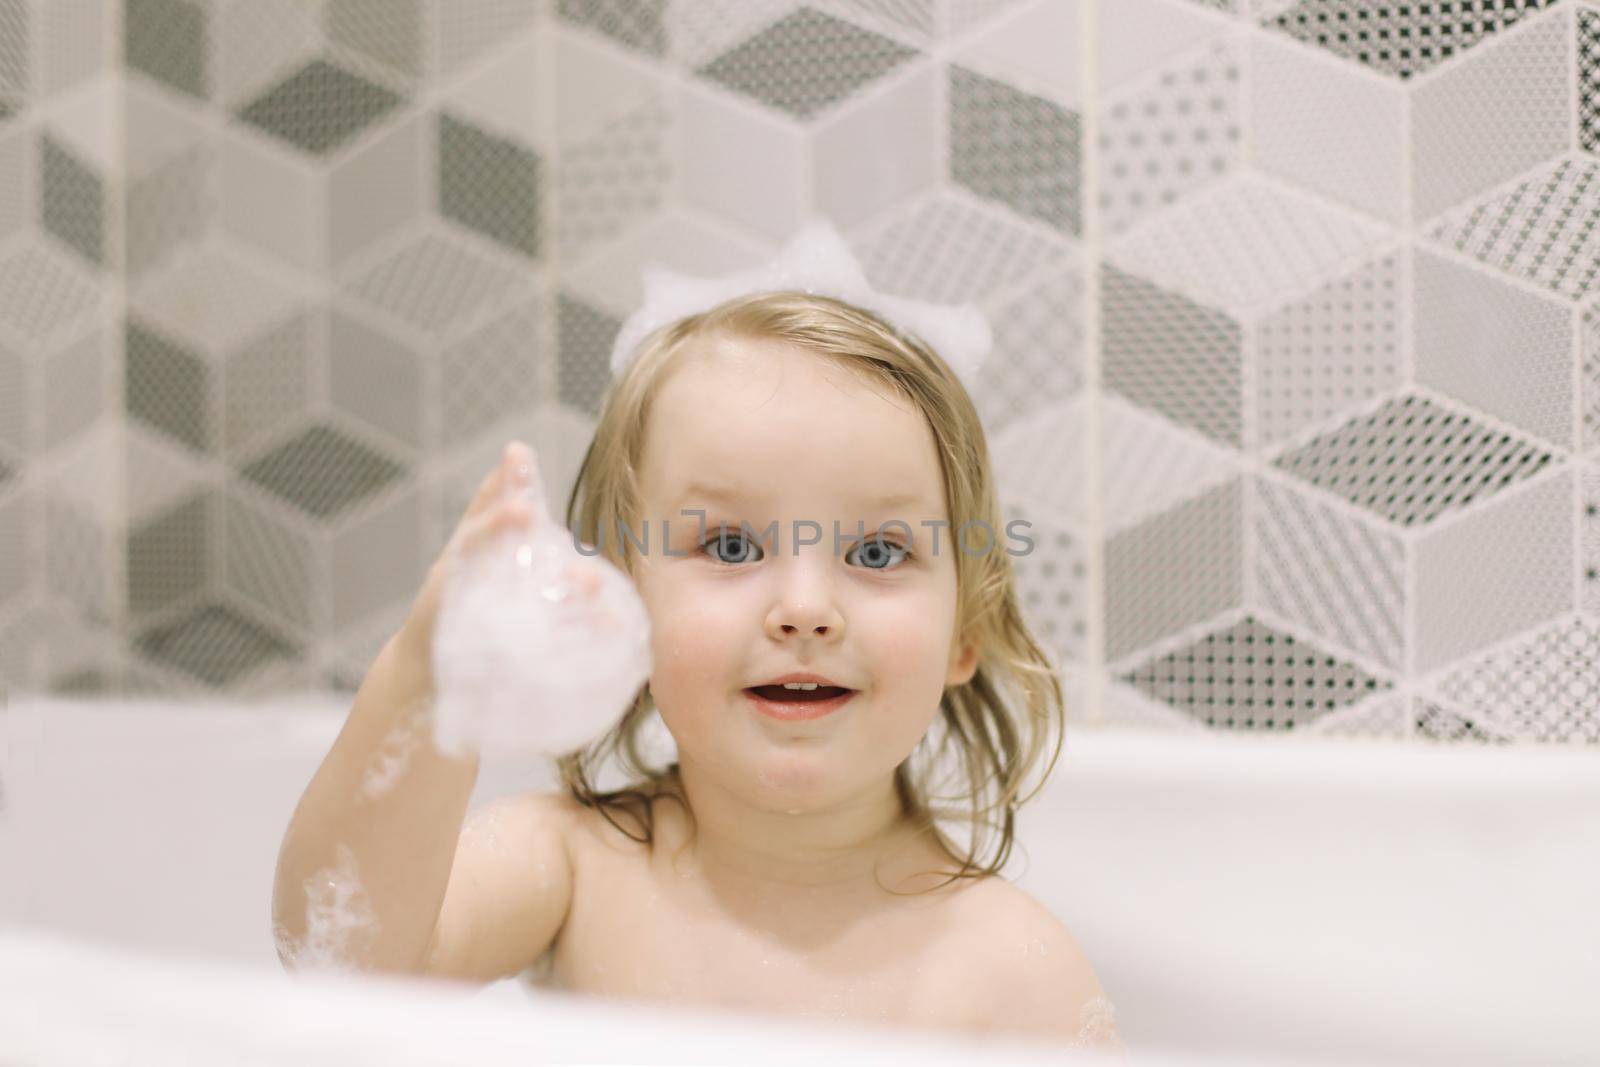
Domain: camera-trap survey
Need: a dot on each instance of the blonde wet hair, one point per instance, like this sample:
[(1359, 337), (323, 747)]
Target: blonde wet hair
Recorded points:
[(996, 727)]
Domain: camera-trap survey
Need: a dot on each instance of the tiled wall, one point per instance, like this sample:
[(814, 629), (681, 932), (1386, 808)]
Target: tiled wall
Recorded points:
[(1298, 360)]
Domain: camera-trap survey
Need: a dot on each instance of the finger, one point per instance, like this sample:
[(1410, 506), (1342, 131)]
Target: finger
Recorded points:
[(523, 480), (510, 513), (514, 468)]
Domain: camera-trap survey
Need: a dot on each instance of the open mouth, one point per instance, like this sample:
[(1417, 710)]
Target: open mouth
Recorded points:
[(798, 696)]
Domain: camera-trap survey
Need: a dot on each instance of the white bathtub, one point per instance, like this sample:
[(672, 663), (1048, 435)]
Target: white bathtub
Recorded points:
[(1245, 897)]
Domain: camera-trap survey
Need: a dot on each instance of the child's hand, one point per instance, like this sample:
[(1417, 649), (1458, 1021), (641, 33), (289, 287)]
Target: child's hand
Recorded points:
[(509, 498)]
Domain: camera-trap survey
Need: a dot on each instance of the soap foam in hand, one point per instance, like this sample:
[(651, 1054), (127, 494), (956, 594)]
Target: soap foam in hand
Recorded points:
[(537, 649)]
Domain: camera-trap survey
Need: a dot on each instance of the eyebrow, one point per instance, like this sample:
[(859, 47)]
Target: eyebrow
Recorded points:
[(729, 495)]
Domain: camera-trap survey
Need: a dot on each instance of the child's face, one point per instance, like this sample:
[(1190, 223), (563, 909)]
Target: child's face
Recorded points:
[(794, 437)]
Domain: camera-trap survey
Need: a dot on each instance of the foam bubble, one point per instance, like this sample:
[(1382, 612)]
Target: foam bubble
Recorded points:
[(391, 759), (538, 650), (340, 921)]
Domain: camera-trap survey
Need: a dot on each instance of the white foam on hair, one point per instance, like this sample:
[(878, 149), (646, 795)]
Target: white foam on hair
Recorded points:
[(526, 661)]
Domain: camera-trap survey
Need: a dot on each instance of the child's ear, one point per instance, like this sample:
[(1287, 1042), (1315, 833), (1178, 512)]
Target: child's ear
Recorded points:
[(963, 662)]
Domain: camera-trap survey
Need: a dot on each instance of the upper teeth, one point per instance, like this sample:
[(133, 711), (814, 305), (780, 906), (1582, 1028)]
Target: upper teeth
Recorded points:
[(799, 685)]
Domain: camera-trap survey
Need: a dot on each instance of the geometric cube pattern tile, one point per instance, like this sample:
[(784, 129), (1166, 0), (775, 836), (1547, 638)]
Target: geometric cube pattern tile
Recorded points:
[(166, 39), (1029, 161), (1545, 687), (1412, 460), (1504, 107), (1589, 79), (322, 471), (319, 107), (1402, 40), (1298, 340), (1545, 230), (1172, 133), (1338, 349), (806, 62), (1253, 676), (489, 184)]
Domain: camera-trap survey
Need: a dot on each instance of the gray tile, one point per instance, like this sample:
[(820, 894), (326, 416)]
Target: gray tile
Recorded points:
[(377, 561), (265, 385), (489, 184), (434, 283), (77, 559), (1251, 676), (14, 405), (267, 563), (169, 555), (1021, 150), (167, 387), (40, 295), (14, 570), (492, 374), (166, 39), (74, 390), (950, 251), (1589, 80), (1038, 351), (639, 24), (1174, 356), (1412, 461), (319, 107), (806, 62), (1174, 570), (389, 31), (14, 36), (168, 208), (379, 380), (71, 200), (612, 180), (584, 337), (322, 471), (215, 644), (1399, 39)]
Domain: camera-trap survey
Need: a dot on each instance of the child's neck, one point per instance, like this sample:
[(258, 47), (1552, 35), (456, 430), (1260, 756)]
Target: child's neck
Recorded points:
[(853, 848)]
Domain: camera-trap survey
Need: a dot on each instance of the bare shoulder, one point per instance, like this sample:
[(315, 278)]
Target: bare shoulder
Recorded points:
[(1037, 981)]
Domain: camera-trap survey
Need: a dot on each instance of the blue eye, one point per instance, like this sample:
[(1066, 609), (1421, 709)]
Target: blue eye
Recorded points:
[(878, 551), (731, 537)]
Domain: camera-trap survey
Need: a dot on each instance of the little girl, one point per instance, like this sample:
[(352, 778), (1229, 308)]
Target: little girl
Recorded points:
[(789, 860)]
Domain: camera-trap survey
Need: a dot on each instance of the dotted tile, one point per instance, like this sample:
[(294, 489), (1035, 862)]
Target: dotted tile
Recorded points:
[(1015, 148), (583, 348), (322, 471), (489, 184), (169, 555), (1170, 354), (72, 201), (639, 24), (1411, 461), (1401, 39), (1252, 676), (1589, 79), (1178, 130), (1174, 570), (167, 386), (166, 39), (806, 62), (1546, 230), (216, 644), (1337, 349), (1544, 689), (319, 107), (951, 252)]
